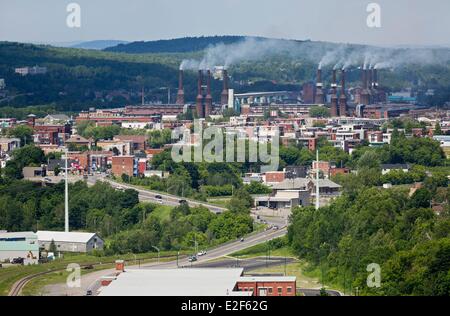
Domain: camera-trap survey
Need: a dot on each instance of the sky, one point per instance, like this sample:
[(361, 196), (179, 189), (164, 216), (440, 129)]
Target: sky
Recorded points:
[(403, 22)]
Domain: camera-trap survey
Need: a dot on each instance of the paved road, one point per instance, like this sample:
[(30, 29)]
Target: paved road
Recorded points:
[(150, 196)]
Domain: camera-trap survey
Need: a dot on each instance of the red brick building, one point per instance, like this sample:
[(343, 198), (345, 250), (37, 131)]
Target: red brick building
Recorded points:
[(268, 286), (124, 165)]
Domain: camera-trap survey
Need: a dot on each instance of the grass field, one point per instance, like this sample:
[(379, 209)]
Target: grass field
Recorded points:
[(293, 269), (162, 212)]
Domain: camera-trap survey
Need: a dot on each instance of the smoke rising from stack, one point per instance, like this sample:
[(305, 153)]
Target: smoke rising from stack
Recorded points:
[(249, 49), (380, 58)]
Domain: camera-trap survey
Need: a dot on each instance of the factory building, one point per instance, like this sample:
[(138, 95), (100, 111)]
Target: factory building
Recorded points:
[(70, 242), (17, 245)]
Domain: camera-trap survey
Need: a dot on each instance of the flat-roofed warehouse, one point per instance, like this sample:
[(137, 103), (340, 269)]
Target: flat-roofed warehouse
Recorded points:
[(70, 242), (194, 282)]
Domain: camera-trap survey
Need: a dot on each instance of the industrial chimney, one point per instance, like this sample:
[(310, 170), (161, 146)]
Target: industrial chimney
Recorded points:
[(224, 94), (199, 100), (343, 97), (208, 98), (365, 97), (375, 78), (334, 97), (319, 88), (375, 85), (180, 94)]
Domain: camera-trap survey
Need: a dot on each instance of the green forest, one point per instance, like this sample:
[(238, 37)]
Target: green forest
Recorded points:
[(390, 228)]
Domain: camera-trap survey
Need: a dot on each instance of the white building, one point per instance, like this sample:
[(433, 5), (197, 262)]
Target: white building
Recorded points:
[(385, 169), (36, 70), (135, 125), (70, 242)]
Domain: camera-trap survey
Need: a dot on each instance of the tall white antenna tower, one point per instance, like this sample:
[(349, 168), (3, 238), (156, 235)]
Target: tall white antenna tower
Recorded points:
[(317, 181), (66, 197)]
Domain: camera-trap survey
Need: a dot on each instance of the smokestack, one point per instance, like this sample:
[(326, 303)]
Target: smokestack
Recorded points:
[(343, 97), (319, 77), (334, 99), (180, 94), (199, 102), (375, 78), (334, 82), (365, 97), (208, 98), (364, 77), (224, 95), (319, 92), (375, 97), (369, 78)]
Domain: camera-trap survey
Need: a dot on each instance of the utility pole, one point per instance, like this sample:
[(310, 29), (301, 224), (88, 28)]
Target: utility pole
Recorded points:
[(66, 197), (317, 182), (157, 249)]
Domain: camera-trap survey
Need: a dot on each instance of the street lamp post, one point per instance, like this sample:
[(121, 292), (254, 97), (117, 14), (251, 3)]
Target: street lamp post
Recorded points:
[(157, 249)]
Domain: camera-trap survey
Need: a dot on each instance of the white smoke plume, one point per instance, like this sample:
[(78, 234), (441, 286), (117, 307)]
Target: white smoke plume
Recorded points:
[(249, 49), (338, 56)]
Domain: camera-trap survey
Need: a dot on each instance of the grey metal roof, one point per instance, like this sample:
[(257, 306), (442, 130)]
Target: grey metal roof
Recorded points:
[(174, 282), (300, 183), (65, 237)]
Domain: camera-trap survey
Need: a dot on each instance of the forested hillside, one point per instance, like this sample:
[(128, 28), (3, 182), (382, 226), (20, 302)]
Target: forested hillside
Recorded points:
[(179, 45), (78, 79)]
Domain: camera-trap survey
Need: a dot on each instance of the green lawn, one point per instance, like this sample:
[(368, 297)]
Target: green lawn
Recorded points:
[(220, 201), (162, 212), (293, 269)]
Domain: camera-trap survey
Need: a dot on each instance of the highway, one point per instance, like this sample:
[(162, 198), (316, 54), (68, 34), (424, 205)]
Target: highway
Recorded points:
[(150, 196)]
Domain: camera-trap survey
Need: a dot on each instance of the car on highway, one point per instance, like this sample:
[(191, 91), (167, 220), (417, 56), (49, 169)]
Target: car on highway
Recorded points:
[(201, 253), (275, 227), (183, 202), (89, 293), (192, 259), (159, 198), (242, 239), (47, 180)]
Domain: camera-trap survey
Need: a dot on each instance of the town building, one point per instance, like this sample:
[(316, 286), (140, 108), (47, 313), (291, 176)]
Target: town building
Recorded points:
[(33, 172), (124, 165), (284, 199), (386, 168), (445, 144), (35, 70), (9, 144), (70, 242), (22, 245), (138, 142)]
